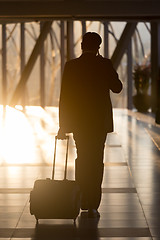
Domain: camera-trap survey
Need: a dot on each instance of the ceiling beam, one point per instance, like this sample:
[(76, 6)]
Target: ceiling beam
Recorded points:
[(122, 44), (29, 66), (116, 9)]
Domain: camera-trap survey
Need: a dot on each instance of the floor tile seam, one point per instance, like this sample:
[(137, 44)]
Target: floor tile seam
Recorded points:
[(139, 196), (153, 140), (136, 189), (20, 217), (116, 164), (69, 225), (119, 190), (132, 179), (127, 165), (121, 164), (14, 191), (140, 202), (81, 232), (112, 145)]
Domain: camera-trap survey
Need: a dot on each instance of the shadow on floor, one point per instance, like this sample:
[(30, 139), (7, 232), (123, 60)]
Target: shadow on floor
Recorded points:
[(84, 228)]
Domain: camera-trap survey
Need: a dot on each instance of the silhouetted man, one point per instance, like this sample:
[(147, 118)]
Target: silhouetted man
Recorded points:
[(85, 110)]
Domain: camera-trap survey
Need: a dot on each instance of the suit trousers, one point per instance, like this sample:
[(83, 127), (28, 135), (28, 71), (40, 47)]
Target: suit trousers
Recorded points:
[(89, 165)]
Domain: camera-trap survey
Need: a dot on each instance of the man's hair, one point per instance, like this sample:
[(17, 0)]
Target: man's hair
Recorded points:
[(91, 41)]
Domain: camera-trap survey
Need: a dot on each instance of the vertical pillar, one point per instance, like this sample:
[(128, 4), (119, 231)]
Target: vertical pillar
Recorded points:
[(4, 71), (158, 80), (42, 74), (106, 40), (83, 27), (155, 64), (70, 40), (62, 49), (22, 55), (136, 52), (129, 75)]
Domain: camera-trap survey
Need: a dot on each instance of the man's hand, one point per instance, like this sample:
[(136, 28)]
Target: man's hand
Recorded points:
[(61, 134)]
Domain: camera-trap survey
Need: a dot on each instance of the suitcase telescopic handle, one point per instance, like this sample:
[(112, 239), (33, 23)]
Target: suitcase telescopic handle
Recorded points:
[(54, 158)]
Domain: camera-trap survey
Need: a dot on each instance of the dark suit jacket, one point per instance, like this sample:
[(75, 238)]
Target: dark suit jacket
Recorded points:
[(85, 103)]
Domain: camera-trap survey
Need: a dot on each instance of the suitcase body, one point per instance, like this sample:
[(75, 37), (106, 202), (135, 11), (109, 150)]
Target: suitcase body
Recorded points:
[(55, 199)]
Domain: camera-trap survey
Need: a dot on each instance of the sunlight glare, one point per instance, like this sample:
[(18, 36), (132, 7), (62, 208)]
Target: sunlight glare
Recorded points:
[(17, 143)]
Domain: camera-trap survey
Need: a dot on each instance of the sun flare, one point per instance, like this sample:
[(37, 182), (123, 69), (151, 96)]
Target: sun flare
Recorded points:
[(17, 144), (29, 138)]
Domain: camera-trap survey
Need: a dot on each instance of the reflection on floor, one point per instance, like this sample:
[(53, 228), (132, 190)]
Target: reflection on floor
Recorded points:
[(130, 206)]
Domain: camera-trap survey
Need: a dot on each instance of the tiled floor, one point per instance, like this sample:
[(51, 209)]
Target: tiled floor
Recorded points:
[(130, 206)]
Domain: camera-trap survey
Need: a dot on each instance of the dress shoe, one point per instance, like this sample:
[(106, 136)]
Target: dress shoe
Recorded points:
[(93, 213)]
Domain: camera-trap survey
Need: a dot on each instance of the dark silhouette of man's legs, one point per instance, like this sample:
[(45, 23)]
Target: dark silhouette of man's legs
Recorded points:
[(89, 167)]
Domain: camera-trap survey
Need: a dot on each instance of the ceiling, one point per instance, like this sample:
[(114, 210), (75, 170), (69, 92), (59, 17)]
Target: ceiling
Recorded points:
[(112, 10)]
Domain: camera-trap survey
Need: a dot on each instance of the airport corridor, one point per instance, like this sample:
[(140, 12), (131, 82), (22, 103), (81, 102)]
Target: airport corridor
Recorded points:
[(130, 206)]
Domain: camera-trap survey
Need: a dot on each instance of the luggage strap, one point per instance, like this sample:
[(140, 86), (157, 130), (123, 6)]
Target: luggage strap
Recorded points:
[(54, 158)]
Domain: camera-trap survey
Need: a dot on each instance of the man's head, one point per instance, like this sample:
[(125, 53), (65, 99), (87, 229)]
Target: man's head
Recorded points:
[(91, 41)]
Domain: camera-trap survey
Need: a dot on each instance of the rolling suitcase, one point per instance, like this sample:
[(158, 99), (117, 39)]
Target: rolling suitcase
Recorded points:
[(55, 199)]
